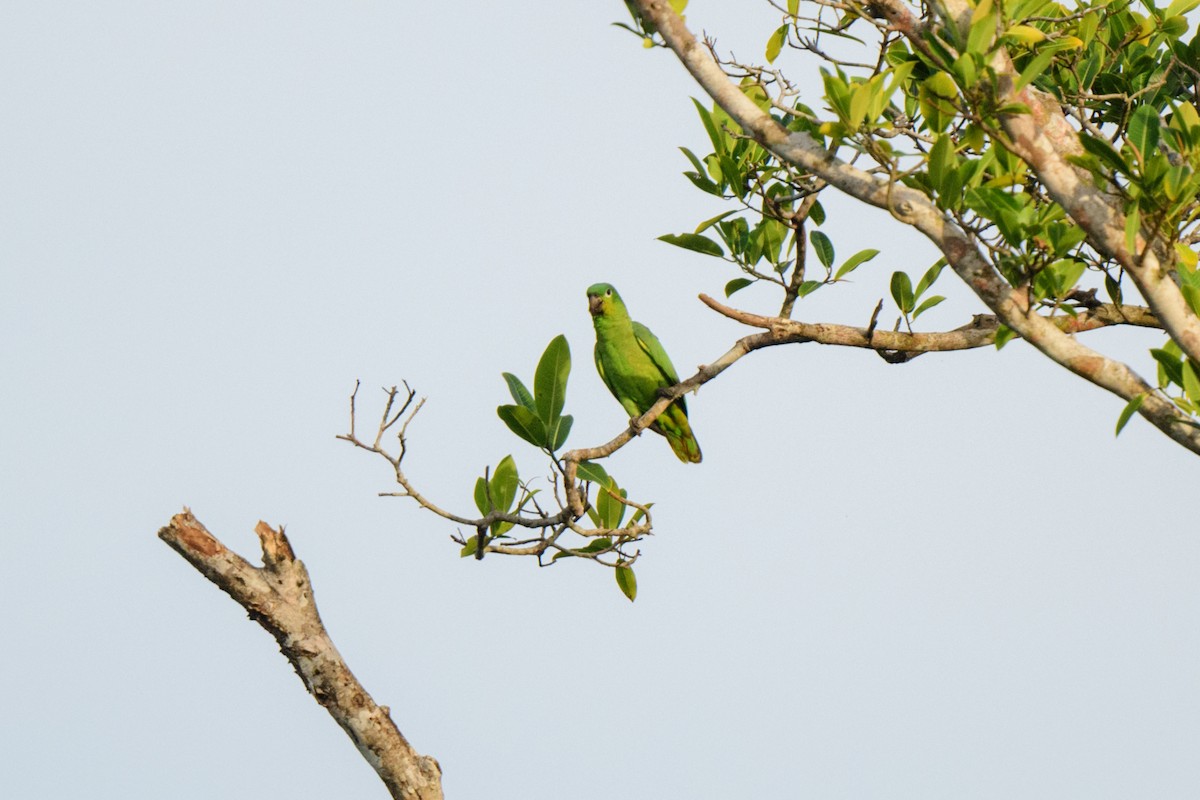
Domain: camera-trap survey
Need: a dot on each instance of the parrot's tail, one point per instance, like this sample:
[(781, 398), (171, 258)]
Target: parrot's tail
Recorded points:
[(673, 424)]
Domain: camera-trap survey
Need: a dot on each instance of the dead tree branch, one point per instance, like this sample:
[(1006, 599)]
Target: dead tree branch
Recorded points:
[(279, 596)]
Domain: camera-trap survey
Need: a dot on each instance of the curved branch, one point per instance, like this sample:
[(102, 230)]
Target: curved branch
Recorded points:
[(979, 332), (914, 208), (279, 596)]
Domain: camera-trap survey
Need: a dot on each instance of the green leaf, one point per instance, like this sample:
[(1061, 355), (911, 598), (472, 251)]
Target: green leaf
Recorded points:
[(523, 423), (941, 162), (823, 246), (518, 391), (693, 241), (591, 471), (1004, 335), (817, 213), (902, 292), (736, 285), (1143, 132), (1171, 365), (1127, 413), (861, 96), (1191, 381), (794, 7), (469, 548), (627, 582), (1133, 224), (776, 42), (695, 162), (610, 509), (1036, 66), (983, 27), (481, 497), (808, 287), (1181, 7), (1100, 148), (559, 431), (937, 95), (550, 380), (929, 277), (504, 484), (708, 223), (715, 135), (854, 262), (928, 304)]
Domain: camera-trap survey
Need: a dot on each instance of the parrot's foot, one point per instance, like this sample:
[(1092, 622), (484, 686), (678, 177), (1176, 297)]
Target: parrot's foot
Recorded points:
[(633, 425), (664, 391)]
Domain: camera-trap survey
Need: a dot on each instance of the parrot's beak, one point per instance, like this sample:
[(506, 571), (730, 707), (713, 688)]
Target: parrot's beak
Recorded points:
[(595, 304)]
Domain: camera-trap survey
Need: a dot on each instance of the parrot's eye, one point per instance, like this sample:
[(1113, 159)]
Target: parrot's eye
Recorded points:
[(608, 293)]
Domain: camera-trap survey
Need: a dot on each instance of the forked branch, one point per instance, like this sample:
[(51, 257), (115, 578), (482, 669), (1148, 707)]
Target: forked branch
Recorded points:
[(279, 596)]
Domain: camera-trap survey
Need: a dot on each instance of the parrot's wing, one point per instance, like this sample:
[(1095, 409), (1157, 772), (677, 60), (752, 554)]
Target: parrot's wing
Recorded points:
[(653, 348), (600, 368)]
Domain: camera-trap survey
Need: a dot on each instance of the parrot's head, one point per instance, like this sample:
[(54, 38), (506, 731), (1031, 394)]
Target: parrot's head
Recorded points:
[(603, 299)]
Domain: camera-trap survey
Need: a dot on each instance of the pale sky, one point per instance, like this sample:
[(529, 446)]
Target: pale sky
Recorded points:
[(943, 579)]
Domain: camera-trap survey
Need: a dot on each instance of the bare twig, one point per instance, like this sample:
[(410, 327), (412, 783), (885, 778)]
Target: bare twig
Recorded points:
[(279, 596)]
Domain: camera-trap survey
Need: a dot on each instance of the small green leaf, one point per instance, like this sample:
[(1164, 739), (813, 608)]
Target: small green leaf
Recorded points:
[(1033, 70), (1143, 132), (523, 423), (823, 246), (941, 162), (1133, 224), (794, 7), (708, 223), (1171, 365), (1004, 335), (469, 548), (775, 43), (929, 277), (710, 126), (627, 582), (737, 284), (591, 471), (518, 391), (853, 262), (693, 241), (902, 292), (1181, 7), (928, 304), (610, 509), (1127, 413), (559, 432), (1191, 381), (481, 497), (1114, 290), (550, 380), (1104, 151), (503, 485), (817, 213)]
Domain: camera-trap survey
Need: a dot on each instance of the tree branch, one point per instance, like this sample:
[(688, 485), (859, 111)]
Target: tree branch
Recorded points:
[(1043, 139), (979, 332), (914, 208), (279, 597)]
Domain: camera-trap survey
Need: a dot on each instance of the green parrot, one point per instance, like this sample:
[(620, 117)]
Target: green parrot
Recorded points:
[(634, 366)]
